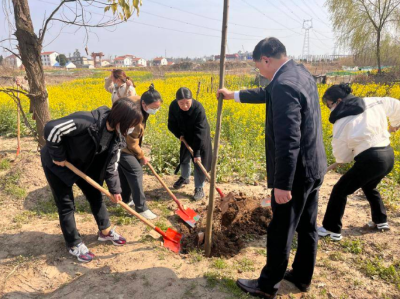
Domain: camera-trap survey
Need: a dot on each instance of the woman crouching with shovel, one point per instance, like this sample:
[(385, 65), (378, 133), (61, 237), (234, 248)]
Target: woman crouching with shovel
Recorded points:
[(360, 132), (187, 121), (133, 157), (90, 141)]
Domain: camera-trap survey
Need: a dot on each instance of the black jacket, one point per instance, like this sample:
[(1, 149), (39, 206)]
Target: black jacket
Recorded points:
[(350, 105), (293, 140), (77, 138), (193, 125)]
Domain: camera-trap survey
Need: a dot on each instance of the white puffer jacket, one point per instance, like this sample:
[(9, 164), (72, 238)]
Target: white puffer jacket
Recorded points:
[(356, 133)]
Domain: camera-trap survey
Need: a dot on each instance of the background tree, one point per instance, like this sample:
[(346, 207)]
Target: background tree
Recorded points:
[(29, 43), (362, 25), (62, 59), (1, 59)]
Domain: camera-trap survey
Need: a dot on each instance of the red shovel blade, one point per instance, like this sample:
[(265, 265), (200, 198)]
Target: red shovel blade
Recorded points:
[(189, 216), (173, 240)]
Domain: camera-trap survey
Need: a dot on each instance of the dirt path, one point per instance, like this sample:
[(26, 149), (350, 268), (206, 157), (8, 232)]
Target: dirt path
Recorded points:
[(35, 264)]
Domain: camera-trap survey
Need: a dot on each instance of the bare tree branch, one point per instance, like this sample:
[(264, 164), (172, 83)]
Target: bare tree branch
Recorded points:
[(42, 32)]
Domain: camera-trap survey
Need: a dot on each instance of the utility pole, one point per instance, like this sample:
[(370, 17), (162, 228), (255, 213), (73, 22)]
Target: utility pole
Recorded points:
[(307, 25)]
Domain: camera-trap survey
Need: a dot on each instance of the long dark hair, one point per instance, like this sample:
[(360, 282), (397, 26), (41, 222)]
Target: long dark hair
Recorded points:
[(120, 74), (126, 113), (151, 96), (183, 93), (336, 92)]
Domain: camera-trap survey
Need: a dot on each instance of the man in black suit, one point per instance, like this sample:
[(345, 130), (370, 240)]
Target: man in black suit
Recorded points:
[(296, 165)]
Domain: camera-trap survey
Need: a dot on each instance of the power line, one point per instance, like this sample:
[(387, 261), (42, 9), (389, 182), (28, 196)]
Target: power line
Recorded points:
[(273, 4), (212, 19), (199, 26), (269, 17), (317, 4), (291, 11), (314, 13)]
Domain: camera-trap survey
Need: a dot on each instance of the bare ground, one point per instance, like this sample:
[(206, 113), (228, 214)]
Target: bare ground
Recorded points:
[(35, 264)]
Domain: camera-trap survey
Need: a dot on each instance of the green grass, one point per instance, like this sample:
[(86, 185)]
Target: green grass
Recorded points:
[(219, 264), (11, 187), (23, 218), (5, 164), (376, 267), (161, 223), (336, 256), (245, 265), (225, 284), (352, 246), (195, 256), (120, 217)]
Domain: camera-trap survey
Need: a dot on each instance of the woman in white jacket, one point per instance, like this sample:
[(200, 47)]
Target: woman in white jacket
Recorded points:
[(120, 86), (360, 132)]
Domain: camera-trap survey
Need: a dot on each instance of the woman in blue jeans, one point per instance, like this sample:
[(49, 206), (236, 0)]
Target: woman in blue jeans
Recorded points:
[(360, 132), (187, 119), (133, 158)]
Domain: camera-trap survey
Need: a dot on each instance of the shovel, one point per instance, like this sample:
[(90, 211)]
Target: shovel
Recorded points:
[(172, 239), (188, 215), (224, 199)]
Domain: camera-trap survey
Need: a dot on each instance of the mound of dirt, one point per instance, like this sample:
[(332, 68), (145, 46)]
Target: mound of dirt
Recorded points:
[(237, 219)]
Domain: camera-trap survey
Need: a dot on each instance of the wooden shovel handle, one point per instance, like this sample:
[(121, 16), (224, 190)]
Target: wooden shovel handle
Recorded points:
[(165, 187), (106, 192), (198, 162), (333, 166)]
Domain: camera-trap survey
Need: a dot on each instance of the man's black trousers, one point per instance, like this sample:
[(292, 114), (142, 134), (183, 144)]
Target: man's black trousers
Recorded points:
[(299, 214)]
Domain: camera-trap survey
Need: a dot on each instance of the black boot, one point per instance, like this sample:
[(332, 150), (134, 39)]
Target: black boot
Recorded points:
[(252, 287), (180, 182), (304, 287)]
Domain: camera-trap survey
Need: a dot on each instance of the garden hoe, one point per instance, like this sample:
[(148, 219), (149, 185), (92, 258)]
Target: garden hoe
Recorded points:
[(172, 239), (188, 215), (224, 199)]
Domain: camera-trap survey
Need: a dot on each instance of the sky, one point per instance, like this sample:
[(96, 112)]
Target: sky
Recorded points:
[(186, 28)]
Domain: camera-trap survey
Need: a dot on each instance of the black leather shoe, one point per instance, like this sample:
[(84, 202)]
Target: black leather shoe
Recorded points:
[(304, 287), (252, 287)]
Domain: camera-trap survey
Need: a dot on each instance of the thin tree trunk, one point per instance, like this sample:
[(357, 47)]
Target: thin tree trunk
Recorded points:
[(30, 50), (378, 51)]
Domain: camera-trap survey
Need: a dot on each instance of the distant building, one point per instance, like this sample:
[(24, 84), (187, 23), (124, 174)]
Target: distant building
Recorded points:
[(13, 61), (160, 61), (78, 60), (171, 63), (70, 65), (228, 57), (124, 61), (105, 62), (49, 58), (139, 62)]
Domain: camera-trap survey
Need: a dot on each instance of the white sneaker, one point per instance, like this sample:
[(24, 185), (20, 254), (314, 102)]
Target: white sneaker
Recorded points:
[(379, 226), (131, 203), (149, 215), (82, 253), (322, 232)]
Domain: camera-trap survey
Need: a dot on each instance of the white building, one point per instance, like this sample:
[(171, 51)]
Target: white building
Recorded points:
[(160, 61), (49, 58), (70, 65), (13, 61), (124, 61), (139, 62), (105, 63)]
